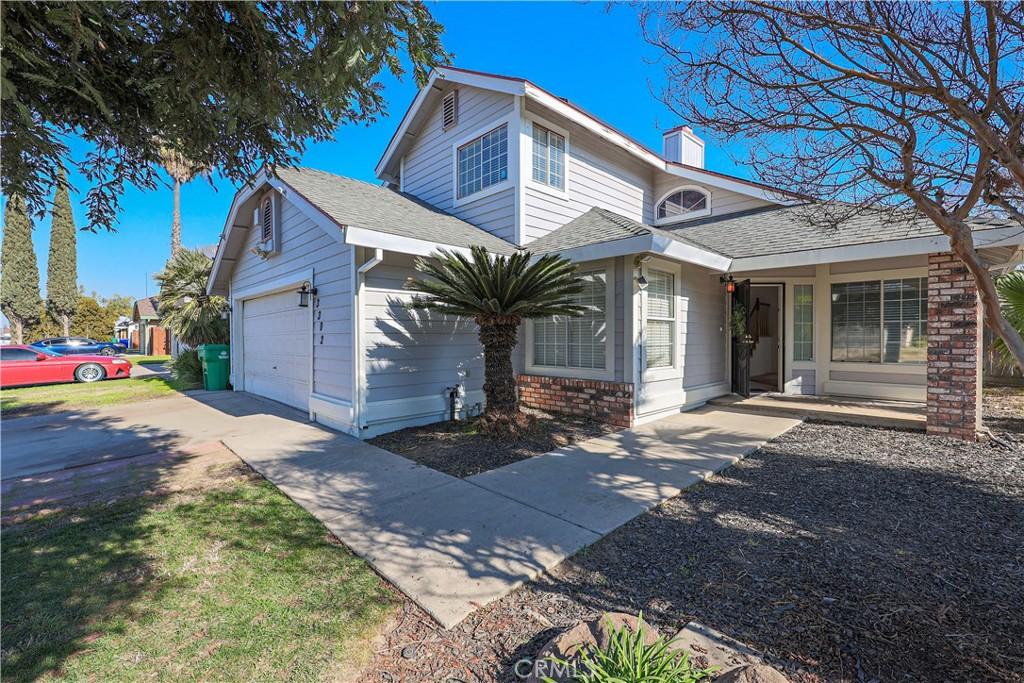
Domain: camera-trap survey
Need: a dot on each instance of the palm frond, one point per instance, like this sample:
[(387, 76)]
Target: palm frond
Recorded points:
[(1011, 297), (184, 307), (498, 286)]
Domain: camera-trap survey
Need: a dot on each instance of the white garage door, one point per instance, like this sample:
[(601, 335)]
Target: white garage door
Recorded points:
[(276, 348)]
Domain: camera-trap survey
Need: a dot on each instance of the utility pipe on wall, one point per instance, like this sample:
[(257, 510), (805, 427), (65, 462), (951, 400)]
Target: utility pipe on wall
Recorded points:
[(359, 364)]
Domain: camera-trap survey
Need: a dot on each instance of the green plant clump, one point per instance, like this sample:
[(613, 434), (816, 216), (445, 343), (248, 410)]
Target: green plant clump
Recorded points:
[(628, 659), (187, 368)]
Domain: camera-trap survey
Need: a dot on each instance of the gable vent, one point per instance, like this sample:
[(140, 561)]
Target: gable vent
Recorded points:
[(450, 109), (267, 220)]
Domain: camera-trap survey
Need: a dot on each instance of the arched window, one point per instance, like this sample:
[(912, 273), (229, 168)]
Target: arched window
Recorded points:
[(684, 203)]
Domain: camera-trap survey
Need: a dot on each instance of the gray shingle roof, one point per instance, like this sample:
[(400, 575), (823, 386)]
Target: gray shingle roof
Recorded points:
[(783, 230), (378, 208), (757, 232), (597, 226)]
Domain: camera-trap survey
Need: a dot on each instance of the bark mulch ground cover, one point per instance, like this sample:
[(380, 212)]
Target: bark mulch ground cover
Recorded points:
[(843, 553), (462, 450)]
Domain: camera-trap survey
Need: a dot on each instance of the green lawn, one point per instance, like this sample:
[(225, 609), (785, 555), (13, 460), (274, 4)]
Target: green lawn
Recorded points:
[(56, 397), (232, 583), (146, 359)]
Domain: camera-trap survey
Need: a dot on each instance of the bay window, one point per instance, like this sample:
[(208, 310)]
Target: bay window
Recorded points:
[(880, 321)]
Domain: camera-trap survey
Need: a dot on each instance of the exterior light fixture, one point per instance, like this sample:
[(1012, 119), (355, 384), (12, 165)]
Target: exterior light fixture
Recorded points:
[(304, 294), (641, 282), (730, 284)]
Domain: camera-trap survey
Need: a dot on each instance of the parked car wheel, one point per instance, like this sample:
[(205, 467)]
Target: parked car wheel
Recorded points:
[(90, 372), (108, 351)]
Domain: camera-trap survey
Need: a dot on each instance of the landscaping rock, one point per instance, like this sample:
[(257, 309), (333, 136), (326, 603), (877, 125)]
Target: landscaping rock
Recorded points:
[(752, 673), (596, 633), (708, 647)]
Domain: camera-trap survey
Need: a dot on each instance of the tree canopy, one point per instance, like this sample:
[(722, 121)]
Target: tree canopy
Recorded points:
[(913, 108), (227, 85)]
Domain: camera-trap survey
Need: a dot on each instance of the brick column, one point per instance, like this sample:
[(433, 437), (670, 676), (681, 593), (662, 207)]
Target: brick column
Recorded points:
[(954, 349)]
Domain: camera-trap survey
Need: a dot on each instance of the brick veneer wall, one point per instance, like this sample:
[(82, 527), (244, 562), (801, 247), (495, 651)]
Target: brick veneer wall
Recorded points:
[(609, 402), (954, 349)]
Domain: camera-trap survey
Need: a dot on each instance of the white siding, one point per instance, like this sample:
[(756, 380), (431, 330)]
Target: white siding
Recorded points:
[(428, 167), (304, 246), (597, 175), (722, 201), (702, 342), (412, 356), (704, 329)]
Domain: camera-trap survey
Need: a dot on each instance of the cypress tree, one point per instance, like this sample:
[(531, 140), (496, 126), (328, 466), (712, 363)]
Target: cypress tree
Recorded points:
[(62, 265), (19, 279)]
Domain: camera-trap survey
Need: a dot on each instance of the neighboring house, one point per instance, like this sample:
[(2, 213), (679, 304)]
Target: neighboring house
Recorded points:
[(660, 240), (147, 336)]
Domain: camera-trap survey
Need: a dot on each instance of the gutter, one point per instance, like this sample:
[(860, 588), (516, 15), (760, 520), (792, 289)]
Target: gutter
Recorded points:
[(359, 364)]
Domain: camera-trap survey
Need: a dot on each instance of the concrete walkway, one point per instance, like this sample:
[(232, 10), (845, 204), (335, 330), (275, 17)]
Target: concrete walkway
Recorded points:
[(455, 545)]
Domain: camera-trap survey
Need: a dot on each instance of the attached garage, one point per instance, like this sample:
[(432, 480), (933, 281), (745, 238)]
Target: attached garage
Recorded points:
[(276, 348)]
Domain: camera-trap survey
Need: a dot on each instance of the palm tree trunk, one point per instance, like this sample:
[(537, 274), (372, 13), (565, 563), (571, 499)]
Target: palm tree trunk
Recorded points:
[(176, 224), (498, 340)]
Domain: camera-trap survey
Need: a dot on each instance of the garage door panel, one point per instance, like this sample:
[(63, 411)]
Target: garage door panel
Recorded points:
[(276, 348)]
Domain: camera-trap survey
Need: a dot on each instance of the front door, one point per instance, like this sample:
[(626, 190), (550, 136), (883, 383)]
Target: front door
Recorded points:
[(740, 339)]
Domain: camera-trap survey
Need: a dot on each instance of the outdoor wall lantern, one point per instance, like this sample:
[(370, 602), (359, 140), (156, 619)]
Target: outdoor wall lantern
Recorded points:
[(304, 294), (641, 282), (730, 284)]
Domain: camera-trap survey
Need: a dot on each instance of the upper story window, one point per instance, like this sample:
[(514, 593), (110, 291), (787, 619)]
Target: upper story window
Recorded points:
[(483, 162), (450, 110), (684, 203), (548, 157)]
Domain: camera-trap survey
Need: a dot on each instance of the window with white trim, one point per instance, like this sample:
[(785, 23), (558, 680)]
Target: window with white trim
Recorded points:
[(483, 162), (803, 322), (880, 321), (548, 157), (564, 342), (661, 319), (683, 203)]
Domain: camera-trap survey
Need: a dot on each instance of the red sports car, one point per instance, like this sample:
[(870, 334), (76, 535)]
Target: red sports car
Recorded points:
[(22, 365)]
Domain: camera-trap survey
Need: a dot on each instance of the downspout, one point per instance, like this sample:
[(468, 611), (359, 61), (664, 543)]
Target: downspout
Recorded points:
[(359, 360)]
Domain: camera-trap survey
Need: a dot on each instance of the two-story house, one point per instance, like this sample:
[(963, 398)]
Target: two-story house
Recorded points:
[(701, 283)]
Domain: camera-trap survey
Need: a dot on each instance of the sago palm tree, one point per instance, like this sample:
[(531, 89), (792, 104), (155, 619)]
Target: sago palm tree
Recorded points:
[(1011, 297), (498, 293), (185, 308)]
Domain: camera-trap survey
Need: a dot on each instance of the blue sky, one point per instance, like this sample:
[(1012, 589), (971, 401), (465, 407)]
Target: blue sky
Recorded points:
[(586, 52)]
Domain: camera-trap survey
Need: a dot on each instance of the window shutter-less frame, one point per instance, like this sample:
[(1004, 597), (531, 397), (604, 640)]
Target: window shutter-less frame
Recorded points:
[(450, 109)]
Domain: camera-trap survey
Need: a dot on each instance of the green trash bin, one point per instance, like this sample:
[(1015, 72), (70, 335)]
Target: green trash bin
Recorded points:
[(216, 365)]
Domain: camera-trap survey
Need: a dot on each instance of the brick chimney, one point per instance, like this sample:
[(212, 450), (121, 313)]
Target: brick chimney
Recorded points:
[(681, 145)]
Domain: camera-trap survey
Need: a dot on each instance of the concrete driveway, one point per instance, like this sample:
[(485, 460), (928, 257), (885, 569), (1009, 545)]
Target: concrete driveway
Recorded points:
[(452, 545), (44, 443)]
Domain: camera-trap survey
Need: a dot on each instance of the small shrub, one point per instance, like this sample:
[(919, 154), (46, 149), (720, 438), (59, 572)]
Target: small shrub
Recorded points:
[(627, 659), (187, 367)]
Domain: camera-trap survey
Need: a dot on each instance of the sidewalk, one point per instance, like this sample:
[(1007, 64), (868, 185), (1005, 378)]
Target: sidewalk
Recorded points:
[(454, 545)]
